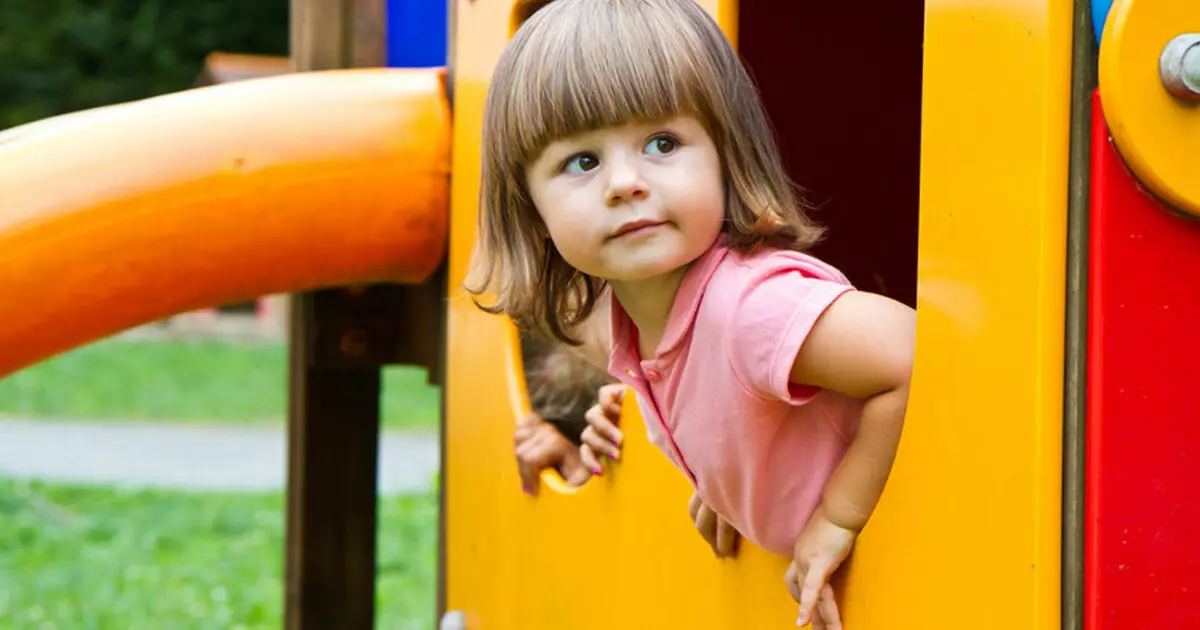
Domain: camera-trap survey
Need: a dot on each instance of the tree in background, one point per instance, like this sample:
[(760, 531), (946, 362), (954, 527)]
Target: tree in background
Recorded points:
[(60, 56)]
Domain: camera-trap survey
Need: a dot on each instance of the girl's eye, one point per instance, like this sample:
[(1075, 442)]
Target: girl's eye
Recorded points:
[(581, 163), (661, 145)]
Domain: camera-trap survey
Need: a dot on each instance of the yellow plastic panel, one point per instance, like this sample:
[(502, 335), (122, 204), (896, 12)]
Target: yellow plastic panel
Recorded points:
[(967, 535), (1157, 134), (968, 532)]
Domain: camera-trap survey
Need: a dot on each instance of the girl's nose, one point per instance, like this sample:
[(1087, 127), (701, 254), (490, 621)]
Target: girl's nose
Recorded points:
[(625, 181)]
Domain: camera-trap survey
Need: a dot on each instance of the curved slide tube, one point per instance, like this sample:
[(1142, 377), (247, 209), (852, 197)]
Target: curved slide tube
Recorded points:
[(123, 215)]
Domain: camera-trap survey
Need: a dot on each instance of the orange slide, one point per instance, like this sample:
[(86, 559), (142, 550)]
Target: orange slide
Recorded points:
[(124, 215)]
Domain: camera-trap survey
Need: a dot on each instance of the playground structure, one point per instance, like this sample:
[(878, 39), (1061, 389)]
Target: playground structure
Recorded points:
[(1032, 192)]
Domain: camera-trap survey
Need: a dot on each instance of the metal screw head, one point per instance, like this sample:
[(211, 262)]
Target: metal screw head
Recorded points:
[(1179, 66), (453, 620)]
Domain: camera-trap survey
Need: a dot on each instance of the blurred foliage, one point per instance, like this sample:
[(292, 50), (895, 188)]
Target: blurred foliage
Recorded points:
[(59, 56)]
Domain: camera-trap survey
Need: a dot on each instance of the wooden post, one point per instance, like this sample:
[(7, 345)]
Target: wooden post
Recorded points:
[(339, 340)]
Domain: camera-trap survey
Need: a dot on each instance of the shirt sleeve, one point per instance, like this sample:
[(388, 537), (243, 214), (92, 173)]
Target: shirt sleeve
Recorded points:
[(774, 313)]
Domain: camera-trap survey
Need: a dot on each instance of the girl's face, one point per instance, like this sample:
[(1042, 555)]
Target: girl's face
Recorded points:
[(633, 202)]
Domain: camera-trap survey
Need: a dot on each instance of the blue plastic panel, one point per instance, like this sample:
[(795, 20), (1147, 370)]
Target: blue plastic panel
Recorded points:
[(416, 33), (1099, 15)]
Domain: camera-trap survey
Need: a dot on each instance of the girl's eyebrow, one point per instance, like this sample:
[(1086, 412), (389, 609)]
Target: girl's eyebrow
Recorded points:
[(556, 151), (564, 147), (574, 140)]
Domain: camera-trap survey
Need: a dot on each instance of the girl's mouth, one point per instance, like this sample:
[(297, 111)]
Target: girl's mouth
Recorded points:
[(634, 227)]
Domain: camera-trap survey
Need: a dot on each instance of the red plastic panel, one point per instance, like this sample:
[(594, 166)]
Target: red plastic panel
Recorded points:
[(1143, 453)]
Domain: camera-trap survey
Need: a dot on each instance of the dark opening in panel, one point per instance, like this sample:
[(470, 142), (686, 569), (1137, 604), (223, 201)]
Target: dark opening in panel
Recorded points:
[(842, 85)]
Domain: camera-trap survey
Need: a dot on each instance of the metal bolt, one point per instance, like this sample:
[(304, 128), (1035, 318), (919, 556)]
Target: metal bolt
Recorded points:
[(453, 620), (1179, 66)]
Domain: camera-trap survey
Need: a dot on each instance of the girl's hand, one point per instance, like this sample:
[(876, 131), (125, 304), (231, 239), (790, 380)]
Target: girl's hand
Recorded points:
[(539, 445), (719, 534), (602, 437), (820, 550)]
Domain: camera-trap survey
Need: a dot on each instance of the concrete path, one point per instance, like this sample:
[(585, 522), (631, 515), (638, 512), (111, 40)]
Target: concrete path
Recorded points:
[(162, 454)]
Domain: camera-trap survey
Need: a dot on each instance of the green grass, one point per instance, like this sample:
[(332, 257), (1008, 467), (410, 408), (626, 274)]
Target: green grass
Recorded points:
[(76, 558), (206, 380)]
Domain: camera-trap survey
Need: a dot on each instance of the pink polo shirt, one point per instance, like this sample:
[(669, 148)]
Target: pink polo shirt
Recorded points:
[(716, 397)]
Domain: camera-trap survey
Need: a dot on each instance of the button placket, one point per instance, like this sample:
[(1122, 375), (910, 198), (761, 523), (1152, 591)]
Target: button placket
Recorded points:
[(651, 375)]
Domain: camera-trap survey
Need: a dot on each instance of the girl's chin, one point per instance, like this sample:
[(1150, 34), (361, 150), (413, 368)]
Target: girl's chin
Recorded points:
[(640, 273)]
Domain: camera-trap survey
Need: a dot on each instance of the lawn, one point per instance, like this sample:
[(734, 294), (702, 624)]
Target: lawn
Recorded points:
[(99, 559), (196, 380)]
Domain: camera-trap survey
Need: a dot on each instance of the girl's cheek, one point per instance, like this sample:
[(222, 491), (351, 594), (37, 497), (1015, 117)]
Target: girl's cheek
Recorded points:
[(576, 226)]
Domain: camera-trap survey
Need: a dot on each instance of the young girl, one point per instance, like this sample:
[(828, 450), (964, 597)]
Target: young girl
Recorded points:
[(635, 205)]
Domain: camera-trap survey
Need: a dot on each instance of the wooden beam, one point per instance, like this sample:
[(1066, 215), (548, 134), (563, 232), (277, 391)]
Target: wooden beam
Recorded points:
[(321, 35), (338, 342), (333, 443), (370, 33)]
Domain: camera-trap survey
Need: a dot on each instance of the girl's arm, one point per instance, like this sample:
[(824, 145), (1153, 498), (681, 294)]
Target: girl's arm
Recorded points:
[(862, 346)]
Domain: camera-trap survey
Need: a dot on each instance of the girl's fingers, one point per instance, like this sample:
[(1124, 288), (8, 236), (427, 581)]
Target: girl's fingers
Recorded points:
[(572, 469), (527, 470), (588, 457), (524, 449), (538, 452), (792, 579), (603, 424), (815, 581), (592, 439), (827, 611), (726, 539), (532, 433), (610, 398), (529, 478), (600, 443), (706, 524), (526, 431)]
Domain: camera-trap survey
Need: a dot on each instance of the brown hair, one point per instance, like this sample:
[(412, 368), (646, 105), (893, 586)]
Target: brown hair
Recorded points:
[(580, 65), (561, 384)]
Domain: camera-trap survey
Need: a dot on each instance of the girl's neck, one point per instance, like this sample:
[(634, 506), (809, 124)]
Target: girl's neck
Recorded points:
[(648, 303)]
